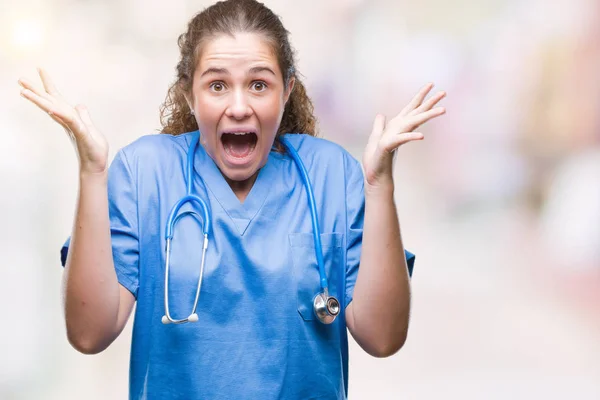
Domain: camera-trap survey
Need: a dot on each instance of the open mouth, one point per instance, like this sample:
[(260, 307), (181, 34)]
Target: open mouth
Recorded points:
[(239, 145)]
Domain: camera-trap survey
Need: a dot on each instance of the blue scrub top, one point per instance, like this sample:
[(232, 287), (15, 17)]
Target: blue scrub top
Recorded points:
[(257, 336)]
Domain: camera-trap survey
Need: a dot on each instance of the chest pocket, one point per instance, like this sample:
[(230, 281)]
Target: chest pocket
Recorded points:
[(306, 269)]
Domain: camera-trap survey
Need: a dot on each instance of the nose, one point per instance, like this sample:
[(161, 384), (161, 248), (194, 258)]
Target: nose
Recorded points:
[(239, 107)]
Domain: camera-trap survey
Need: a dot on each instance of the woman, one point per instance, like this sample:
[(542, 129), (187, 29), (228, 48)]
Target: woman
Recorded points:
[(256, 335)]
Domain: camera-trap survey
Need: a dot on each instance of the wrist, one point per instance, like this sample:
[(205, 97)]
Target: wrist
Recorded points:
[(384, 186), (93, 177)]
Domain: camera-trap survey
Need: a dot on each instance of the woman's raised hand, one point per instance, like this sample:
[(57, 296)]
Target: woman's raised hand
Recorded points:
[(91, 146), (387, 137)]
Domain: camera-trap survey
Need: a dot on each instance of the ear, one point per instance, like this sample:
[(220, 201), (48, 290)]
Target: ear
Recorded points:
[(289, 88)]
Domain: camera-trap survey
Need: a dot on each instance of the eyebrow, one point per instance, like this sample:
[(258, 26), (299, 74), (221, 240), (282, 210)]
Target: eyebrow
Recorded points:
[(253, 70), (256, 70)]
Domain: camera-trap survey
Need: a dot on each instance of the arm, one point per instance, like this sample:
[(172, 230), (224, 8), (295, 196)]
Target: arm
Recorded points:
[(96, 306), (378, 315)]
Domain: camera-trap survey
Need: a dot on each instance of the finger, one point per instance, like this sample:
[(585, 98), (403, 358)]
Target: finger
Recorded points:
[(48, 84), (428, 105), (417, 100), (393, 142), (59, 120), (420, 119), (378, 125), (59, 115), (42, 102), (47, 107), (26, 84), (408, 124)]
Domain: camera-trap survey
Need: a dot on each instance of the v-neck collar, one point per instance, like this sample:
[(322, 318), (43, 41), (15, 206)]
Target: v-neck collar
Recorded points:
[(240, 213)]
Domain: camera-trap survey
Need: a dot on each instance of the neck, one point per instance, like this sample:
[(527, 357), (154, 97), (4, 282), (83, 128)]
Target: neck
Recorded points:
[(242, 188)]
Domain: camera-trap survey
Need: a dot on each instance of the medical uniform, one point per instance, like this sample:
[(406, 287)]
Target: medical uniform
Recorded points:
[(257, 336)]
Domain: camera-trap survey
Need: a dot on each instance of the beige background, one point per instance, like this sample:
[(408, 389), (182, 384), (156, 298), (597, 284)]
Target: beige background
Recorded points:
[(500, 202)]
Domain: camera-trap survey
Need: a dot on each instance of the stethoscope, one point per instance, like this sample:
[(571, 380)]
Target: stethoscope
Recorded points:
[(325, 307)]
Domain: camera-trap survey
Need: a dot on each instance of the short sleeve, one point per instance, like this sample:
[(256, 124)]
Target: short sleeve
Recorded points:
[(355, 215), (123, 214)]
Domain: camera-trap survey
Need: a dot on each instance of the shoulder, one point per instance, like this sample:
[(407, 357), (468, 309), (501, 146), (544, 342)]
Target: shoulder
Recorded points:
[(303, 142), (158, 144), (324, 153), (155, 147)]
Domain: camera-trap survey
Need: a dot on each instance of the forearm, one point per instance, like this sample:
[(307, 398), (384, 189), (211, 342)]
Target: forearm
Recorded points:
[(381, 300), (90, 286)]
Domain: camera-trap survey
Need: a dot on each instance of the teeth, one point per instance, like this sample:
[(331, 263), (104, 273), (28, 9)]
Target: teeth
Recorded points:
[(238, 133)]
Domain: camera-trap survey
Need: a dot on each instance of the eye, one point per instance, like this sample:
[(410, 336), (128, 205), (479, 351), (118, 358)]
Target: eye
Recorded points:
[(259, 86), (217, 86)]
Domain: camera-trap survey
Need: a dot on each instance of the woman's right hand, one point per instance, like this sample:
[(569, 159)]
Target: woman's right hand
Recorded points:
[(90, 144)]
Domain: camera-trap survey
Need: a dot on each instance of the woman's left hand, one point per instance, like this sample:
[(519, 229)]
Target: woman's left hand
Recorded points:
[(386, 138)]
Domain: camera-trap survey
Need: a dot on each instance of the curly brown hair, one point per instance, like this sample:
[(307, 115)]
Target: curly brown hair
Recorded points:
[(230, 17)]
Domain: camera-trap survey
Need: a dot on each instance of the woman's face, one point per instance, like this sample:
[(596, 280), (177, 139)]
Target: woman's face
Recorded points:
[(238, 98)]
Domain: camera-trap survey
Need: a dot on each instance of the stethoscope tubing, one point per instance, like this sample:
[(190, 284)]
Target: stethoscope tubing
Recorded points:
[(313, 212), (321, 300)]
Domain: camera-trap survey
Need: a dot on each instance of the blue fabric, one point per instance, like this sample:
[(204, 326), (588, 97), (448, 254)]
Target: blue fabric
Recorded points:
[(256, 337)]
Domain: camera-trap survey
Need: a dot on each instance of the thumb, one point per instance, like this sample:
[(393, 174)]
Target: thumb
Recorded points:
[(378, 126), (392, 143), (84, 115)]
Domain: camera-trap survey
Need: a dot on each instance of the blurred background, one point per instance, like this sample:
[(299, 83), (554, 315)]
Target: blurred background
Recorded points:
[(500, 202)]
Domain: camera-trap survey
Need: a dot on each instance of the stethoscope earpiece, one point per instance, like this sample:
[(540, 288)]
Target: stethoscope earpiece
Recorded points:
[(166, 320)]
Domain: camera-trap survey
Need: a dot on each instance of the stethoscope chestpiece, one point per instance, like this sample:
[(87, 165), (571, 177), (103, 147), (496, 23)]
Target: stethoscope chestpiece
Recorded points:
[(326, 308)]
